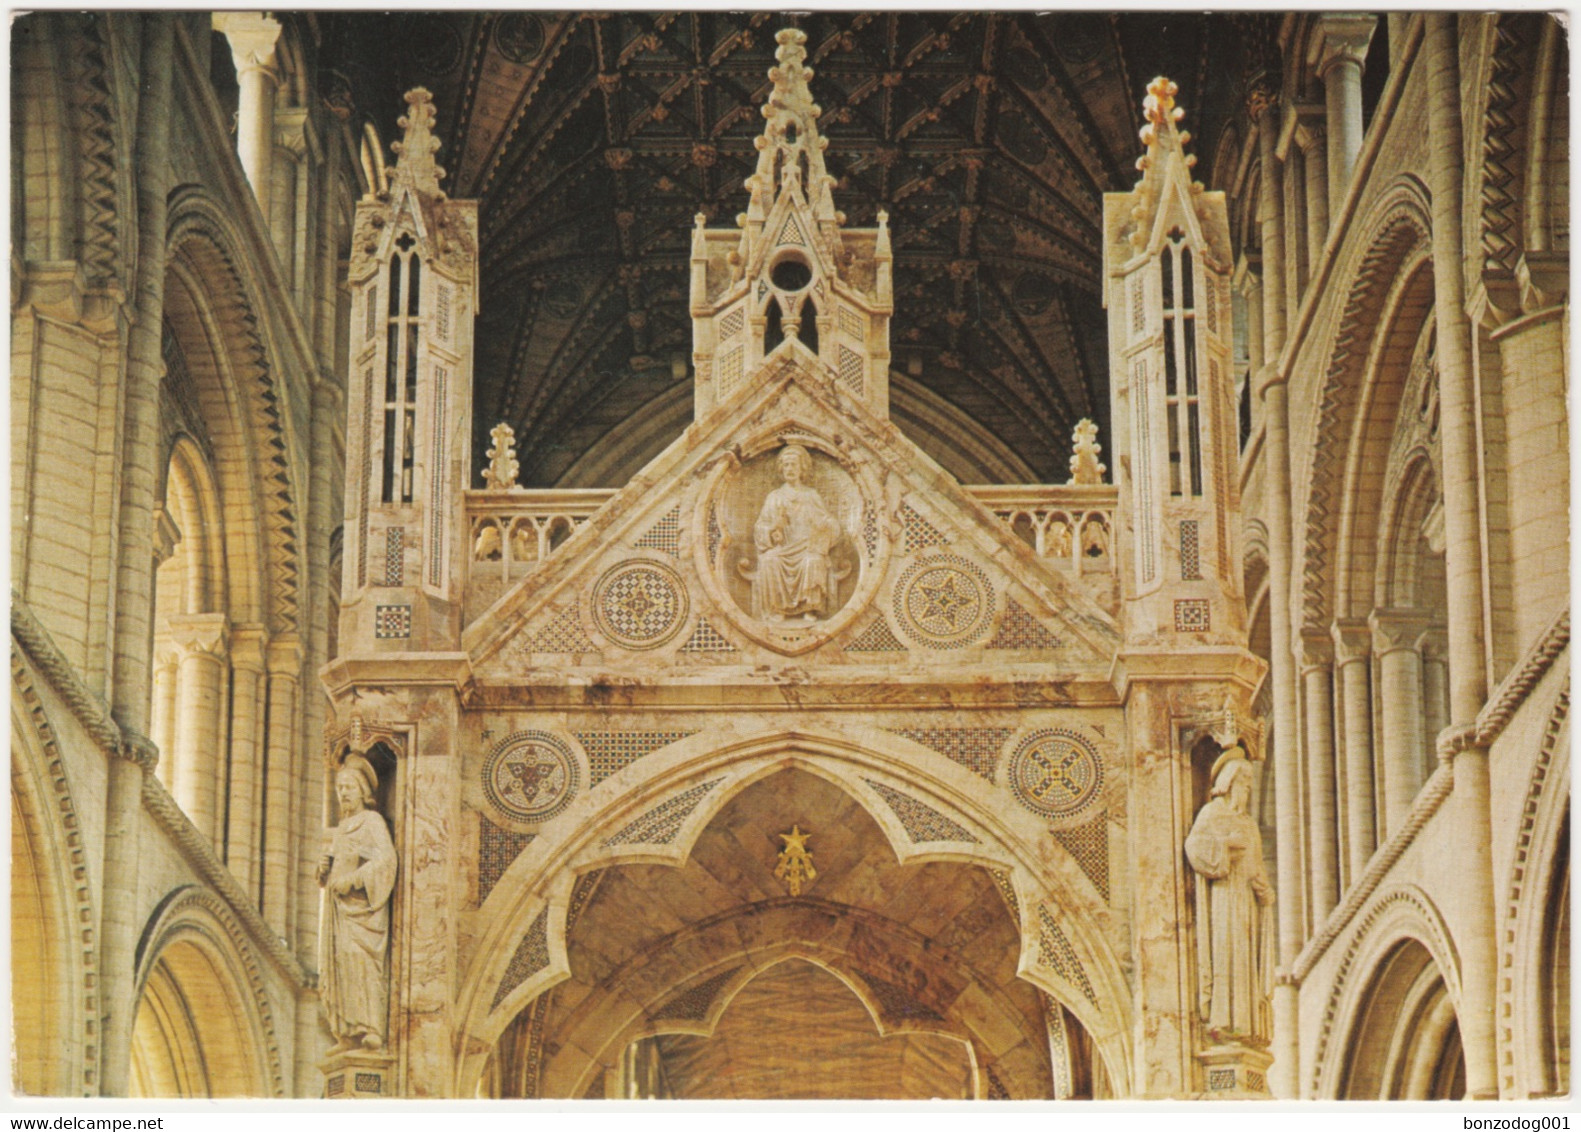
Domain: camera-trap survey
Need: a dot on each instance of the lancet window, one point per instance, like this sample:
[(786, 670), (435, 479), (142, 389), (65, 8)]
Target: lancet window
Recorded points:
[(1180, 367), (400, 373)]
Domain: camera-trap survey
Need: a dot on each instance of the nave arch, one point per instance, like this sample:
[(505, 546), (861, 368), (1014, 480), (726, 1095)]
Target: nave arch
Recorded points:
[(204, 1026), (1057, 910), (53, 921), (1391, 1027)]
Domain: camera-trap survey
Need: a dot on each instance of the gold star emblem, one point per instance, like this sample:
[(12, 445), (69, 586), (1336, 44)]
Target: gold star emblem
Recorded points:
[(795, 861)]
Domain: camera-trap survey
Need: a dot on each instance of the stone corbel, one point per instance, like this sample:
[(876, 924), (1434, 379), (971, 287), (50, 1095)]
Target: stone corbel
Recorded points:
[(284, 655), (360, 735), (166, 535), (1297, 124)]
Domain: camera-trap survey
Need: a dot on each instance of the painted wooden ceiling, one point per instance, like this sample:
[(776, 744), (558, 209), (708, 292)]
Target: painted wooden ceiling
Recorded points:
[(592, 139)]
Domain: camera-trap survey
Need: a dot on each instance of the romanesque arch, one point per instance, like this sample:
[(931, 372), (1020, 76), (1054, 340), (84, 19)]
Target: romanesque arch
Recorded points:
[(1396, 993), (1401, 232), (1536, 901), (53, 921), (212, 310), (204, 1025), (929, 810)]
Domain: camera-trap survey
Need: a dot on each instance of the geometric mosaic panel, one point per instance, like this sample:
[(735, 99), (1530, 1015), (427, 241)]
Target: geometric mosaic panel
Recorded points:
[(1089, 844), (692, 1004), (896, 1003), (1055, 772), (664, 535), (530, 776), (609, 752), (563, 634), (1190, 558), (532, 956), (1192, 615), (921, 823), (392, 622), (1020, 630), (943, 601), (394, 560), (918, 532), (1054, 950), (705, 638), (640, 604), (877, 637), (497, 848), (975, 748), (660, 825)]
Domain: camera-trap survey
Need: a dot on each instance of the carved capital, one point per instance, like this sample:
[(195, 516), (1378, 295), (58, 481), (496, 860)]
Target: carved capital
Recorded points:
[(1543, 278), (252, 36), (1341, 38), (60, 290), (284, 655), (249, 648), (1315, 650), (1262, 94), (1434, 643), (1396, 629), (200, 633), (1310, 128), (166, 535), (1352, 641), (294, 132)]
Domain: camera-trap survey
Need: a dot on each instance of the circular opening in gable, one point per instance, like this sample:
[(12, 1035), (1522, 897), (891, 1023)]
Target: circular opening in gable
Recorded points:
[(791, 274)]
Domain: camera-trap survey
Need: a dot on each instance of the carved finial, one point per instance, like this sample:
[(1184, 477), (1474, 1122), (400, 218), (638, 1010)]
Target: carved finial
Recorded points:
[(415, 166), (1160, 135), (500, 475), (1084, 465), (790, 152)]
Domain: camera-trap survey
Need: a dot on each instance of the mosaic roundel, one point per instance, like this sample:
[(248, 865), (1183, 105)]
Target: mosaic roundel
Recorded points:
[(640, 605), (944, 602), (1056, 773), (531, 776)]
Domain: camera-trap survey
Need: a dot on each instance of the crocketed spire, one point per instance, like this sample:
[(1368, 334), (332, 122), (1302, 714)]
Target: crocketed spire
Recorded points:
[(415, 166), (790, 152)]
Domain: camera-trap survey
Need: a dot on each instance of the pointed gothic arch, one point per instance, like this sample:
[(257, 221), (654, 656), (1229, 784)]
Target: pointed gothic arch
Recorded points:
[(526, 913)]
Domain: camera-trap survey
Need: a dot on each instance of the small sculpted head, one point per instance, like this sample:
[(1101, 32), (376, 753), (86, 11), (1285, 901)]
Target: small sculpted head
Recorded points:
[(354, 785), (795, 463)]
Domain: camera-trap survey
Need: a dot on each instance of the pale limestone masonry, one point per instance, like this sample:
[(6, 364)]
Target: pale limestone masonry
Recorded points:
[(251, 537)]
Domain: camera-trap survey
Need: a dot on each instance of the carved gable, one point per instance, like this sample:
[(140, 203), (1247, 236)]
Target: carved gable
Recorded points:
[(798, 524)]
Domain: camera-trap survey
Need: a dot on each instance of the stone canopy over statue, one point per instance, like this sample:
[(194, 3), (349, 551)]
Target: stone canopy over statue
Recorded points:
[(795, 577), (358, 875), (1234, 907)]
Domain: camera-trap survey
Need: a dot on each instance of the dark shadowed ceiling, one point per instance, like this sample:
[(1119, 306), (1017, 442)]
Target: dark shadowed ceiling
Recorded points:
[(592, 139)]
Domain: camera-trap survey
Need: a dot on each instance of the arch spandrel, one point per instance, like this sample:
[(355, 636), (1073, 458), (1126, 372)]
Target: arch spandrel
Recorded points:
[(1005, 840)]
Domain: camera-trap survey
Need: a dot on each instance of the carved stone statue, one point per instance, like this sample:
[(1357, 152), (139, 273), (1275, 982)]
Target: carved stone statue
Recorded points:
[(1235, 922), (796, 533), (358, 872)]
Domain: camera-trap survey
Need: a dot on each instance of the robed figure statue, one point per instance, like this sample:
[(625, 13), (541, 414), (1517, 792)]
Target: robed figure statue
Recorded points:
[(358, 873), (1234, 906), (795, 536)]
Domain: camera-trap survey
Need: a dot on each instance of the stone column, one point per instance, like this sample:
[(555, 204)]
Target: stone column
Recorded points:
[(1295, 257), (284, 665), (1473, 915), (1395, 635), (1164, 1055), (162, 726), (1284, 1077), (1312, 139), (247, 747), (1341, 48), (1352, 652), (1435, 689), (1532, 350), (252, 37), (1317, 679), (130, 689), (200, 639)]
